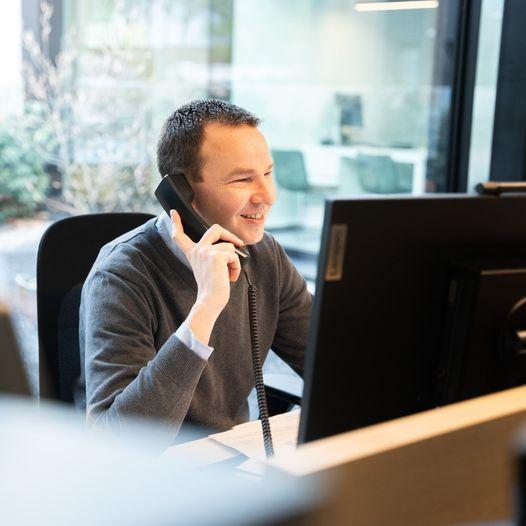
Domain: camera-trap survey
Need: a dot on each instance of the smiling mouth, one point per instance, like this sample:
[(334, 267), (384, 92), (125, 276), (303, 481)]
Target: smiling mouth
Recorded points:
[(253, 217)]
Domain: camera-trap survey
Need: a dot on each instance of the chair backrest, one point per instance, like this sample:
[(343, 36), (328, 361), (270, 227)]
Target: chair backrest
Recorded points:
[(404, 176), (66, 254), (376, 173), (289, 170), (379, 174)]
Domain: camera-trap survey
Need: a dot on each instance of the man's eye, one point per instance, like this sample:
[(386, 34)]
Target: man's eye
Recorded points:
[(268, 174), (244, 180)]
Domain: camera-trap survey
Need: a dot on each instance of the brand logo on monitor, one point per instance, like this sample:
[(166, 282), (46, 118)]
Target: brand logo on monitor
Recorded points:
[(338, 239)]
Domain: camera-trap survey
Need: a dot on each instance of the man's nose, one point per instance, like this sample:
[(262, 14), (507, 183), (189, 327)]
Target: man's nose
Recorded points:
[(265, 193)]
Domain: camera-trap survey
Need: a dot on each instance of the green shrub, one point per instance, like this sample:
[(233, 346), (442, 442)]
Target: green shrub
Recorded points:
[(23, 180)]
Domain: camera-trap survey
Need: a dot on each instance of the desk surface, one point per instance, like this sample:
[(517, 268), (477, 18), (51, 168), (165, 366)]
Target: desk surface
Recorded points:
[(333, 451), (243, 440), (345, 447), (452, 465)]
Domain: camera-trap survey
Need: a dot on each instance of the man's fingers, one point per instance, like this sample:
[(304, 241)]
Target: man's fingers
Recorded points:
[(234, 267), (178, 235), (227, 255), (227, 247), (216, 233), (212, 235)]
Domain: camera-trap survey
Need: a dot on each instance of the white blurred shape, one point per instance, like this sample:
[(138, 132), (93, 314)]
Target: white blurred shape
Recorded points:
[(54, 472)]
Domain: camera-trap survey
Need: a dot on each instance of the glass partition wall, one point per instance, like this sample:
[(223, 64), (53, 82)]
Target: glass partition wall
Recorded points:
[(355, 99), (346, 100), (348, 95)]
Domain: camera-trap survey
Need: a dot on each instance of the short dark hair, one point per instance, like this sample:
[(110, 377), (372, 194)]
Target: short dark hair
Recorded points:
[(182, 134)]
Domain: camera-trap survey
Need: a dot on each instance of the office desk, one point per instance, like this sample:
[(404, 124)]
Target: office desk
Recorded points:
[(247, 438), (202, 452), (323, 163), (451, 465)]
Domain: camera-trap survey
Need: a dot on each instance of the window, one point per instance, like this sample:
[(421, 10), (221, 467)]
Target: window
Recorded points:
[(355, 99), (485, 92)]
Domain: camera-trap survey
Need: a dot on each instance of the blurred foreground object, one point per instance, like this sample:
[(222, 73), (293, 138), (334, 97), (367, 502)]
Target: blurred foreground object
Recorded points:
[(450, 465), (13, 378), (520, 490), (54, 472)]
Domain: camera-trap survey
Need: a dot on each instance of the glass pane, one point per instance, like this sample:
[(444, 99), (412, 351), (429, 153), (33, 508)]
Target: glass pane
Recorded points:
[(357, 102), (353, 102), (485, 92), (22, 183)]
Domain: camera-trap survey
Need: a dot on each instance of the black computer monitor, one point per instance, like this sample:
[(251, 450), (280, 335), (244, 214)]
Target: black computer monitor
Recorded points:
[(418, 303)]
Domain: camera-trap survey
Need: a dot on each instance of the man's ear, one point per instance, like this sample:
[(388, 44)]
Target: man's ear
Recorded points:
[(193, 205)]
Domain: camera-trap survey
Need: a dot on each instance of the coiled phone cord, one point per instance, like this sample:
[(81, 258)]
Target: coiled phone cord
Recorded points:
[(258, 371)]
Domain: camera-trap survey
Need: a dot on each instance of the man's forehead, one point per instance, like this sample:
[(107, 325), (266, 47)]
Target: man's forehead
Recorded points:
[(234, 150), (222, 141), (216, 131)]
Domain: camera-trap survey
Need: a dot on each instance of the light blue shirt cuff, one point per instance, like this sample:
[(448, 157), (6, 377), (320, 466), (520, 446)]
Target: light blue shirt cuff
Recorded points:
[(185, 334)]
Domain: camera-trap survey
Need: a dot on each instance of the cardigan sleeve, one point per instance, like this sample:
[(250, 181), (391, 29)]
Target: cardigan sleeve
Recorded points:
[(295, 304), (125, 375)]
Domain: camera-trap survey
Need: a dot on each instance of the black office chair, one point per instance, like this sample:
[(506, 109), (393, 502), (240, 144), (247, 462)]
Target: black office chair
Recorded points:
[(66, 254)]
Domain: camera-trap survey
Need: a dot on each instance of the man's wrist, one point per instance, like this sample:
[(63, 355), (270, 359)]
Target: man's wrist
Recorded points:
[(207, 308), (201, 320), (186, 336)]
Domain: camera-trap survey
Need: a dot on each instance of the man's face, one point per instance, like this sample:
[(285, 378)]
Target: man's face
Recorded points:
[(237, 189)]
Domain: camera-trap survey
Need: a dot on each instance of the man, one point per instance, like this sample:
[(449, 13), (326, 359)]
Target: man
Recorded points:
[(164, 323)]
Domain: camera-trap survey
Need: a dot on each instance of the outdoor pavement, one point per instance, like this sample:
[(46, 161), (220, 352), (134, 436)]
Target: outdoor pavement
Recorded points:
[(18, 252)]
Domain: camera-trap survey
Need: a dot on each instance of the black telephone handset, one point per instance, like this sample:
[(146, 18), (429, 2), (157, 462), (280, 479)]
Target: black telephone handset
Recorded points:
[(175, 192)]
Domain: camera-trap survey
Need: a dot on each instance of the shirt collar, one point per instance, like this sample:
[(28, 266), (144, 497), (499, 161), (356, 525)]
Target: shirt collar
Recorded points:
[(164, 227)]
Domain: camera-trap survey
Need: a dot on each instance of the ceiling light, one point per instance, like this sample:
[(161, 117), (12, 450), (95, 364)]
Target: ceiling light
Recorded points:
[(396, 6)]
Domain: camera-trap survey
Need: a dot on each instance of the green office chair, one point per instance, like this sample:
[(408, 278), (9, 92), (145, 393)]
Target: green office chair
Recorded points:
[(379, 174), (291, 174), (296, 191), (404, 172), (289, 170)]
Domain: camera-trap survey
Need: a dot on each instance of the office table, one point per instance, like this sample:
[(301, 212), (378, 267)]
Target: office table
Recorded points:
[(451, 465), (242, 442)]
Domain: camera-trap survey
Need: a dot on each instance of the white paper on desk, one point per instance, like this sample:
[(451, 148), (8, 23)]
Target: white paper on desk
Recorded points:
[(253, 468), (247, 438)]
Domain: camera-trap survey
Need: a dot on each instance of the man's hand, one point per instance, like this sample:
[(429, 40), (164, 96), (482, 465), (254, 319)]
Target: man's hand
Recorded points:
[(214, 267)]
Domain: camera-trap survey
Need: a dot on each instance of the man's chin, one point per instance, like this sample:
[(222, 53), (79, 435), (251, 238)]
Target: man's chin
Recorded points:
[(252, 238), (253, 242)]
